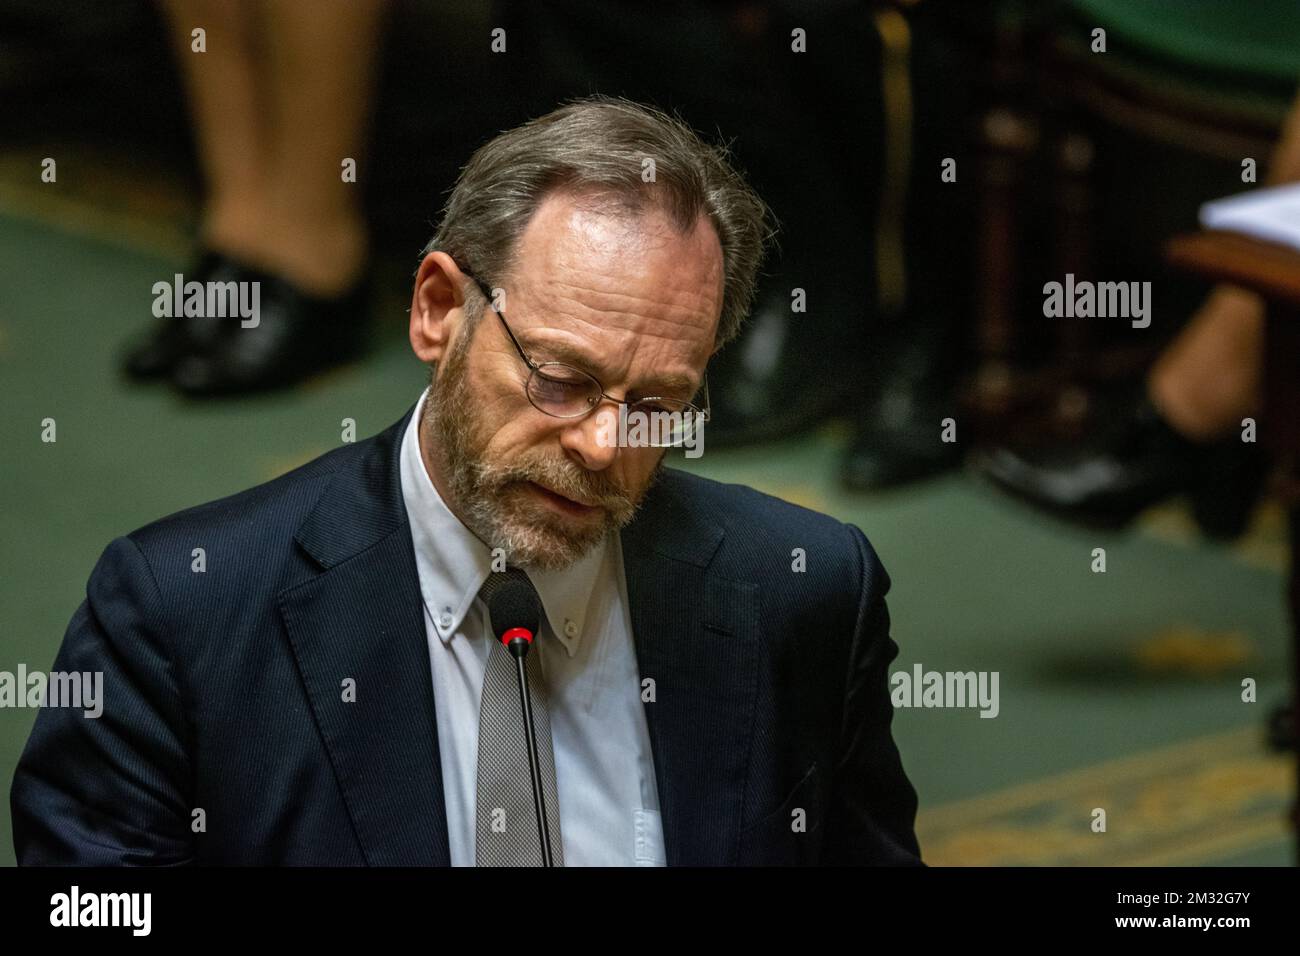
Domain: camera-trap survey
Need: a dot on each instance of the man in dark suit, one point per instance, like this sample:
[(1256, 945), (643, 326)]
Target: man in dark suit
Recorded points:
[(319, 685)]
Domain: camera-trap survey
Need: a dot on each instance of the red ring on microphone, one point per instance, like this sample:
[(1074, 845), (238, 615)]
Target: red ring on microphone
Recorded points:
[(514, 632)]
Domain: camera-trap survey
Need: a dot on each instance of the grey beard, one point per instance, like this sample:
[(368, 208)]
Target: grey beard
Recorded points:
[(491, 508)]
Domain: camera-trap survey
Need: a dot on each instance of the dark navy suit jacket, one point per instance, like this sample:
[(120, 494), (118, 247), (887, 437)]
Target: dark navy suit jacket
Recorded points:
[(223, 689)]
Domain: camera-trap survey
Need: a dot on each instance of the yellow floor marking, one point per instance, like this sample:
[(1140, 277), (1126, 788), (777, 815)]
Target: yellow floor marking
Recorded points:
[(1193, 802)]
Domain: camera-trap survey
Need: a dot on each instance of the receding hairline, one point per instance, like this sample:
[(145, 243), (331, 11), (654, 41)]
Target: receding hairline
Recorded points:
[(586, 200), (621, 206)]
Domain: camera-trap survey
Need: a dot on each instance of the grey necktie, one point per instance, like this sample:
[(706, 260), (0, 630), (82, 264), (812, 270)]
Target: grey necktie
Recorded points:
[(506, 831)]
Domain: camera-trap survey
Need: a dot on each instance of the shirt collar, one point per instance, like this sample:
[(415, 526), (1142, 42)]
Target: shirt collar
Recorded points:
[(453, 563)]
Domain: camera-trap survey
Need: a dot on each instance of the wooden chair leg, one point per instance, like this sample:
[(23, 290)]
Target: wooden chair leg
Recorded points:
[(1072, 196), (1009, 141)]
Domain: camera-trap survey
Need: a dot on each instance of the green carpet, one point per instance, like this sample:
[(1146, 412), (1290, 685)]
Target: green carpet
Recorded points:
[(1118, 691)]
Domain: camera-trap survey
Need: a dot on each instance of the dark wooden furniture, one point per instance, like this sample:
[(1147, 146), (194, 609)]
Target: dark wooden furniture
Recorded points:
[(1058, 121)]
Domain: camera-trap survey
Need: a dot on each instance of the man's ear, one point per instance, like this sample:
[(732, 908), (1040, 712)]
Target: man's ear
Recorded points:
[(437, 306)]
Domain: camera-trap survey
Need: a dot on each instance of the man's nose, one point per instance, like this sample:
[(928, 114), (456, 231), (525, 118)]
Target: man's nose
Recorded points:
[(593, 441)]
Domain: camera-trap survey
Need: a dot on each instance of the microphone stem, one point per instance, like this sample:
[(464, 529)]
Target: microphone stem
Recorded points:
[(534, 763)]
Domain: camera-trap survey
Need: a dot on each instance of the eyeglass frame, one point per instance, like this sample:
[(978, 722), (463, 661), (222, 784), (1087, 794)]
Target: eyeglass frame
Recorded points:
[(691, 408)]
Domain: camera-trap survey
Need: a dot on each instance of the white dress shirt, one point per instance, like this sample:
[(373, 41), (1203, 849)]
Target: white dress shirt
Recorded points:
[(604, 769)]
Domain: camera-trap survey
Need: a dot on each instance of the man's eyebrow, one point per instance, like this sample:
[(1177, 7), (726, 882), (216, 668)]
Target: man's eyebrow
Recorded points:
[(559, 352)]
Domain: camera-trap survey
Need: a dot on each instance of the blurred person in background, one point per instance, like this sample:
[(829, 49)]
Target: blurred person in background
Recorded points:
[(279, 99), (1181, 430)]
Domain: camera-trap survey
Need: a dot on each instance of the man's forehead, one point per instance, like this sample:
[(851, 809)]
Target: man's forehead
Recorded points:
[(572, 245)]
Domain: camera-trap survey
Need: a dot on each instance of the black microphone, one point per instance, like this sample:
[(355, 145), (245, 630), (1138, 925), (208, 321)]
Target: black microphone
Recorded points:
[(515, 612)]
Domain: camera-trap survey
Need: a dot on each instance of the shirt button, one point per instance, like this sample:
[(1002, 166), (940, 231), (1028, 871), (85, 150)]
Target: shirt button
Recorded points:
[(570, 628), (445, 620)]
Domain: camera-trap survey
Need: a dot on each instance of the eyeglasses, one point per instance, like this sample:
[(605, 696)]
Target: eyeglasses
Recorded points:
[(563, 391)]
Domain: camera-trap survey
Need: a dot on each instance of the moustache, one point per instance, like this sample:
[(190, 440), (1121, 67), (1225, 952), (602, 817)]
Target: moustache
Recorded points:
[(587, 488)]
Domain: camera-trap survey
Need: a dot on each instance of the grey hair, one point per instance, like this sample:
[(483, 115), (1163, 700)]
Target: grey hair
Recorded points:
[(597, 145)]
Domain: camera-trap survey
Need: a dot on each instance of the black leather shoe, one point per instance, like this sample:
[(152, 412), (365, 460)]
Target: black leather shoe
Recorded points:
[(1132, 465), (781, 377), (295, 336), (898, 435), (901, 443), (154, 354)]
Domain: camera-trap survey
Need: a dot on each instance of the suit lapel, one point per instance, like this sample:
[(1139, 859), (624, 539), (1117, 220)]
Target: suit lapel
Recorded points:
[(360, 619), (695, 637)]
